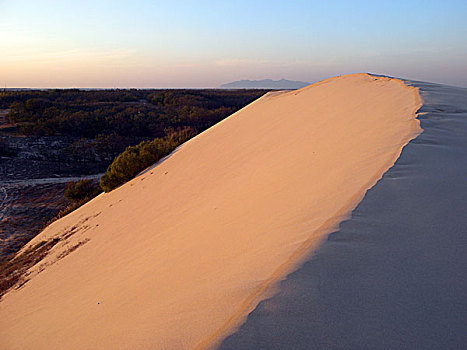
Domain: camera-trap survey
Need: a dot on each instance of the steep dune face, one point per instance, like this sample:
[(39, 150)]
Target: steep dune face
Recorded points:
[(177, 257)]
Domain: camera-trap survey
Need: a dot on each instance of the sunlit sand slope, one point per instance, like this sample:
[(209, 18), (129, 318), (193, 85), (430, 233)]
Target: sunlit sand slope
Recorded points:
[(394, 275), (177, 257)]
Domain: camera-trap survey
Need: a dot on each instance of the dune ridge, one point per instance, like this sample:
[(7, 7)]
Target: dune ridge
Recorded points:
[(305, 249), (393, 275), (177, 257)]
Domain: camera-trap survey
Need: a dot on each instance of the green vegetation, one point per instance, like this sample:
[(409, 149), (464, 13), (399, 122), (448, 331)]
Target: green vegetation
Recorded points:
[(127, 113), (137, 158), (83, 131), (82, 190)]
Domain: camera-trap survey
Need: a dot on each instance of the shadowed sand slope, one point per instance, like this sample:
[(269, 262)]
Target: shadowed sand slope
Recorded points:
[(177, 257), (394, 275)]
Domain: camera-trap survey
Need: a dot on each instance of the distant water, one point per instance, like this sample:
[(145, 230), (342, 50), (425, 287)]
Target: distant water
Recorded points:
[(395, 275), (265, 84)]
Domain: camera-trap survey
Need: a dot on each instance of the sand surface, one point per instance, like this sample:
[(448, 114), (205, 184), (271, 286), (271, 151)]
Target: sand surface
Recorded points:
[(395, 275), (178, 257)]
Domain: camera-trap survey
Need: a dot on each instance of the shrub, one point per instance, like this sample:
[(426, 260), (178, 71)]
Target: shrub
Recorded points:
[(82, 190), (137, 158)]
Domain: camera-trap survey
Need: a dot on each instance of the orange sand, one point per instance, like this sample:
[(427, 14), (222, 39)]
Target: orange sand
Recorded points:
[(177, 257)]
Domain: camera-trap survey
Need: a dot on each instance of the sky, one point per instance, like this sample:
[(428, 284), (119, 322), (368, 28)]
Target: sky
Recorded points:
[(183, 43)]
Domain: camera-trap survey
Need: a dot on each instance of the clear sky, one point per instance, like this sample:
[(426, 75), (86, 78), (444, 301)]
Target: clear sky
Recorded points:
[(183, 43)]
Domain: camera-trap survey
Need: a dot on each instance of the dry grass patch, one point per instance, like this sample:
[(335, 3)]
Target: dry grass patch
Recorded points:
[(13, 269)]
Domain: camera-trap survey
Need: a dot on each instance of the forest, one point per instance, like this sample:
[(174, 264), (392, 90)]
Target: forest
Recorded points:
[(95, 126), (126, 113)]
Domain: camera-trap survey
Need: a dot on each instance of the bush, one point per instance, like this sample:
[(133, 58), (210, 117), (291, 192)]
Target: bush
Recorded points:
[(137, 158), (82, 190)]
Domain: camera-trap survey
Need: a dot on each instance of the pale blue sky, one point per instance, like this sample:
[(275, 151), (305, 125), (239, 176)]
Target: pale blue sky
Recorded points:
[(117, 43)]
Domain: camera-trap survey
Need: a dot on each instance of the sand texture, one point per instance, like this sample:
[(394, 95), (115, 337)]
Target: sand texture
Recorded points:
[(394, 275), (178, 257)]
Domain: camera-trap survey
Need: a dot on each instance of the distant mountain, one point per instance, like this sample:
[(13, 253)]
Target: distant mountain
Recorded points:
[(265, 84)]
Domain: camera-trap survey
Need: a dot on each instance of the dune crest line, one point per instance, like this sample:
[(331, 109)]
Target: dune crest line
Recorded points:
[(268, 287), (180, 259)]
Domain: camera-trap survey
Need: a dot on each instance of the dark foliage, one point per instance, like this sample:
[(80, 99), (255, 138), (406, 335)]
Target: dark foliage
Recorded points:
[(95, 126), (137, 158), (127, 113), (82, 190)]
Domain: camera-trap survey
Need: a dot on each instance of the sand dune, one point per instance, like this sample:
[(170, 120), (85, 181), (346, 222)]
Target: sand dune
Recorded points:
[(394, 275), (177, 257)]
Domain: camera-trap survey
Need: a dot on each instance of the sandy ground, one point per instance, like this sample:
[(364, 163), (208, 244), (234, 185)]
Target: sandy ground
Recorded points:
[(394, 275), (177, 258)]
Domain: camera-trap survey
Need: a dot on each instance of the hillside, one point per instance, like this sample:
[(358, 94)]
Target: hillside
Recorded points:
[(178, 257)]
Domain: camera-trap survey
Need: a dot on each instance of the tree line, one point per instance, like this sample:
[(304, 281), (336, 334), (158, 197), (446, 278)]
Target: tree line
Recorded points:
[(97, 125), (127, 113)]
